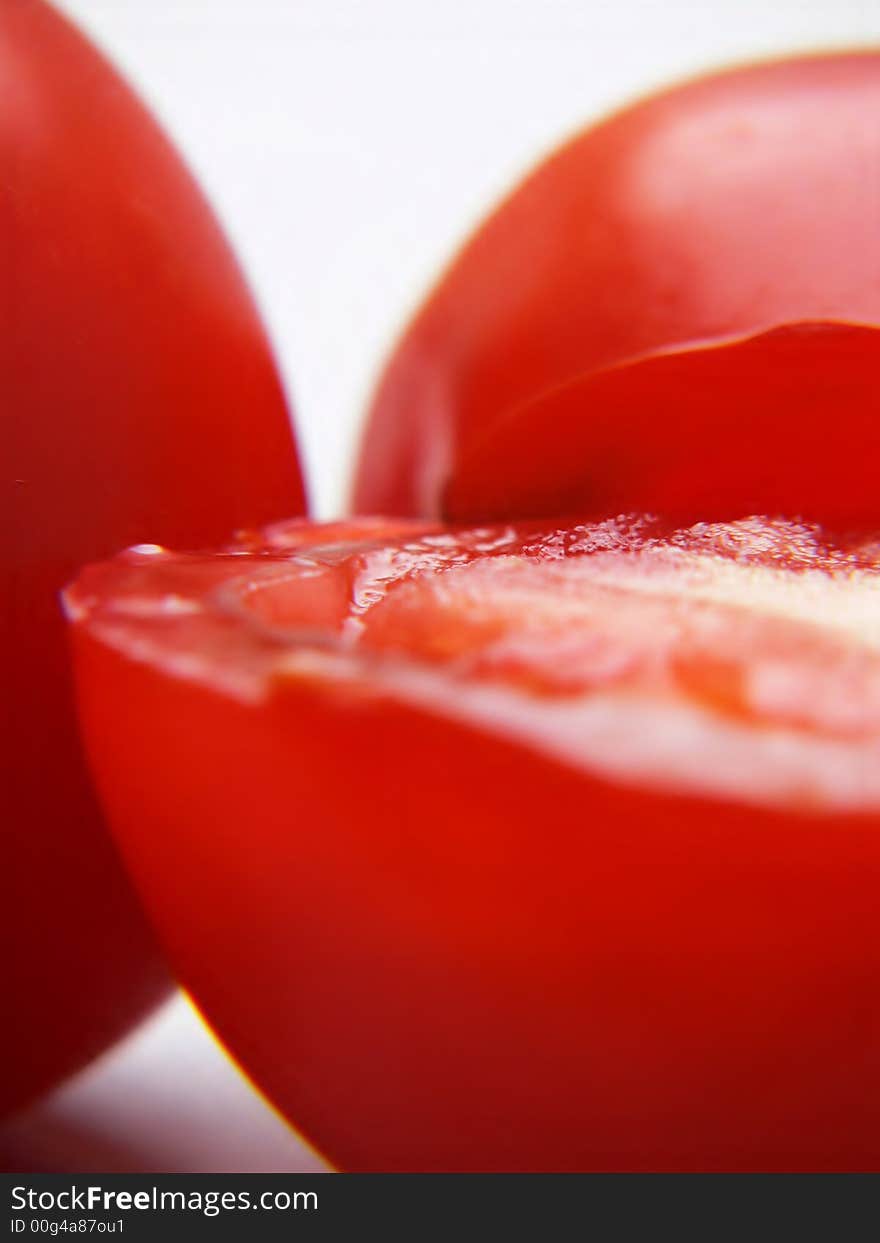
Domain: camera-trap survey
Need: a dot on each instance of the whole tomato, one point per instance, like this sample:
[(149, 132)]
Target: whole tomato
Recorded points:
[(139, 401), (677, 311), (517, 848)]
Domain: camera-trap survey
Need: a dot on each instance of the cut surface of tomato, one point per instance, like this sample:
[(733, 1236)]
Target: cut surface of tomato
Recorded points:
[(533, 847), (665, 244), (139, 401)]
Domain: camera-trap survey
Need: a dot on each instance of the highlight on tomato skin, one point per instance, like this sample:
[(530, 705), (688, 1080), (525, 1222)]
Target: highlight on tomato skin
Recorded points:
[(527, 847), (140, 401), (682, 229)]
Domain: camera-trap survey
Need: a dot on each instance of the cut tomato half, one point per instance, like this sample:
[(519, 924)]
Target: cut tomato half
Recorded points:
[(513, 848)]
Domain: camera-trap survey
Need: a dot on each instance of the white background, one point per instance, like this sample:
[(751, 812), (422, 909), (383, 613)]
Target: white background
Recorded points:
[(348, 146)]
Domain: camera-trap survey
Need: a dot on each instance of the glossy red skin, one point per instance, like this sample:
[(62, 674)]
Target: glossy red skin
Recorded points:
[(437, 948), (139, 402), (729, 452), (713, 212)]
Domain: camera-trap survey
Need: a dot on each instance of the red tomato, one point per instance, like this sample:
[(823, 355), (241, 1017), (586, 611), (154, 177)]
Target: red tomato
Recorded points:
[(513, 848), (139, 401), (607, 338)]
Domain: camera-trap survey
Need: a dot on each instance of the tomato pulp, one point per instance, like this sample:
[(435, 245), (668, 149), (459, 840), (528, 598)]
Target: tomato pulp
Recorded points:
[(547, 847), (139, 401), (676, 312)]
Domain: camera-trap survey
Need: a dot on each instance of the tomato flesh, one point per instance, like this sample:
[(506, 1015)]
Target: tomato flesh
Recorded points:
[(534, 847), (139, 401), (605, 341)]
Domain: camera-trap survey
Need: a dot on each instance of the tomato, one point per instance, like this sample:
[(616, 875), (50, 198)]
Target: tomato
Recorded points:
[(528, 847), (139, 401), (610, 335)]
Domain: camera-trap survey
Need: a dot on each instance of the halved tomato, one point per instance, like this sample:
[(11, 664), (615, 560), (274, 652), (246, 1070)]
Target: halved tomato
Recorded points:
[(513, 848), (611, 335), (139, 400)]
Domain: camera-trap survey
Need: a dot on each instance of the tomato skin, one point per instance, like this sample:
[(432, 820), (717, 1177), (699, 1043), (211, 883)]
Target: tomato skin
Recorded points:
[(547, 458), (139, 402), (425, 1005), (716, 211), (436, 946)]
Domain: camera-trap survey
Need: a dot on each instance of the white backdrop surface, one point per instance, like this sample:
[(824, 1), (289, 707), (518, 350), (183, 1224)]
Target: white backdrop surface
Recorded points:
[(348, 146)]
